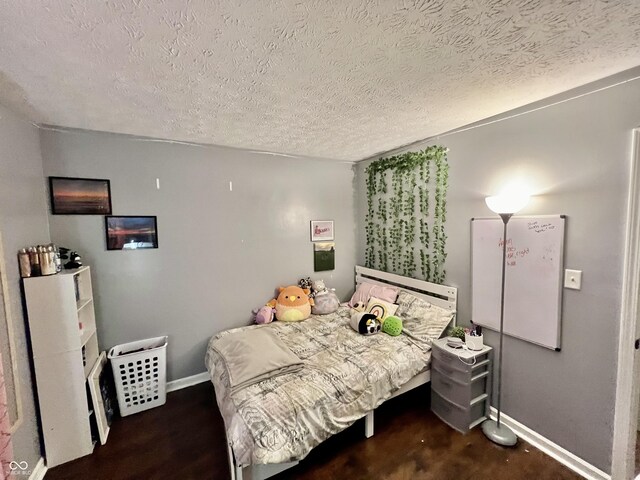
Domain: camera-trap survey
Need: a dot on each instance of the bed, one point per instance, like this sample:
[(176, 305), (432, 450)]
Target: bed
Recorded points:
[(273, 424)]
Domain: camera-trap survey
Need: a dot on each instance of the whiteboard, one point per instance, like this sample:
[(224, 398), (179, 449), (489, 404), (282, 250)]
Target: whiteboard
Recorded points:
[(533, 276)]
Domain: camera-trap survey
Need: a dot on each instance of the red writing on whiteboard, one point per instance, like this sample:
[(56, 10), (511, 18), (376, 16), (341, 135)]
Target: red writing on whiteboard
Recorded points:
[(501, 242), (513, 253), (518, 253)]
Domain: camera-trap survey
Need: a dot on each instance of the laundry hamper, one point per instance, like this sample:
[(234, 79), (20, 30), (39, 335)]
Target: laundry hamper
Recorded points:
[(139, 371)]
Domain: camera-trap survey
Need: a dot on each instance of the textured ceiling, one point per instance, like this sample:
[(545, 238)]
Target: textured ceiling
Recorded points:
[(337, 79)]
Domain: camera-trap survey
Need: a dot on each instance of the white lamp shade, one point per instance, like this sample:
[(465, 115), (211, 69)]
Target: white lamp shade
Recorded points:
[(507, 203)]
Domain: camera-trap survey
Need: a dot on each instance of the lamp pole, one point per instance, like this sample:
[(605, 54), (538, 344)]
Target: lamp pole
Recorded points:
[(505, 219), (505, 206)]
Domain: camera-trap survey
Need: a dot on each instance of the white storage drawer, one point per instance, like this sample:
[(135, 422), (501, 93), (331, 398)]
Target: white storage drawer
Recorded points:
[(458, 371), (460, 385), (456, 416), (456, 392)]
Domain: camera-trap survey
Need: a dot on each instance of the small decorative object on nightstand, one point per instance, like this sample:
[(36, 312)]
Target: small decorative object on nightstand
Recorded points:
[(460, 385)]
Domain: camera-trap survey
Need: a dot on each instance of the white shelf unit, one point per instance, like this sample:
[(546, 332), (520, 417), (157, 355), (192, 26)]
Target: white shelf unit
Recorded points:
[(63, 355)]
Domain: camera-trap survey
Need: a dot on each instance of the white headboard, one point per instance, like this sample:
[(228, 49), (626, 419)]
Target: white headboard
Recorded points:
[(440, 295)]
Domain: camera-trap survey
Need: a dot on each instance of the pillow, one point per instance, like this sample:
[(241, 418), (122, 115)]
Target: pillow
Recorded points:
[(380, 308), (366, 290), (422, 320)]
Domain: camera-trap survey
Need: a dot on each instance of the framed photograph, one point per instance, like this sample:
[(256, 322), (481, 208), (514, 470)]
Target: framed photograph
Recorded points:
[(321, 230), (79, 196), (128, 232), (324, 256), (102, 397)]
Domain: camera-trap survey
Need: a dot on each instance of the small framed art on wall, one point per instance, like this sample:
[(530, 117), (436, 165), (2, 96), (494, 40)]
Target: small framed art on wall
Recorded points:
[(322, 230), (80, 196), (128, 232)]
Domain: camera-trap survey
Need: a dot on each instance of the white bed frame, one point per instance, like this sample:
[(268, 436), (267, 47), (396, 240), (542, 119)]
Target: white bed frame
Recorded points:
[(441, 295)]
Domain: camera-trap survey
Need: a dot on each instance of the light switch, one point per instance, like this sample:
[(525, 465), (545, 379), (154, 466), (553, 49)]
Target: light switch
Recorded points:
[(573, 279)]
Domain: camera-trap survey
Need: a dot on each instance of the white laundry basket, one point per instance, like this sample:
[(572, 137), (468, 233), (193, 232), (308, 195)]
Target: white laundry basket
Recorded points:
[(140, 375)]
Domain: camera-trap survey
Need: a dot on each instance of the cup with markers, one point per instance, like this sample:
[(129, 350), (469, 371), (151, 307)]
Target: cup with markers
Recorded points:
[(473, 337)]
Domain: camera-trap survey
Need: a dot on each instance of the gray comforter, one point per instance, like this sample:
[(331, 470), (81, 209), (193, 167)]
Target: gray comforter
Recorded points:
[(345, 375), (244, 367)]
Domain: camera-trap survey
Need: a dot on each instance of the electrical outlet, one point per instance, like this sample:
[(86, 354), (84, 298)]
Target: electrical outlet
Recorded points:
[(573, 279)]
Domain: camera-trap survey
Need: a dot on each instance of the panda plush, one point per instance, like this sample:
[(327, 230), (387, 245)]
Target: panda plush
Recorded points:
[(365, 323)]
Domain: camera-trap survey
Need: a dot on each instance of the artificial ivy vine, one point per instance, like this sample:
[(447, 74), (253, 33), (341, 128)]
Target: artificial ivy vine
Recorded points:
[(405, 221)]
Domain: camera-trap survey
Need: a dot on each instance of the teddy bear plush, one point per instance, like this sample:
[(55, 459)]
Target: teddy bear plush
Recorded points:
[(293, 304)]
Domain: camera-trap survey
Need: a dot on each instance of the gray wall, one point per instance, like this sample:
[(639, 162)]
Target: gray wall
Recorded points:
[(23, 221), (222, 253), (576, 155)]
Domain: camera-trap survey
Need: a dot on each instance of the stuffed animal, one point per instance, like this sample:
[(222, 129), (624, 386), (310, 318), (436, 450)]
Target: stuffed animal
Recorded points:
[(365, 323), (359, 307), (326, 303), (293, 304), (392, 326), (325, 300), (318, 288), (263, 315), (75, 261), (305, 283)]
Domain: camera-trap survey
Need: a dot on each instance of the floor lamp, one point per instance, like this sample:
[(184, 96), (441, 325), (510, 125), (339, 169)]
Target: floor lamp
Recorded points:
[(505, 206)]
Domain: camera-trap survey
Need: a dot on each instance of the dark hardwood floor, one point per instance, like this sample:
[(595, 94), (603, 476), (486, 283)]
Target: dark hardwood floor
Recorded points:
[(184, 440)]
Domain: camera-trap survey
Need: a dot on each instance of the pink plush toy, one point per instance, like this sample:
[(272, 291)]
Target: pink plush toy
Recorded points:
[(264, 315)]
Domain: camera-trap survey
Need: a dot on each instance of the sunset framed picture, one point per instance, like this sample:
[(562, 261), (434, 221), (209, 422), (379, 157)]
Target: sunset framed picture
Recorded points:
[(128, 232), (321, 230), (80, 196)]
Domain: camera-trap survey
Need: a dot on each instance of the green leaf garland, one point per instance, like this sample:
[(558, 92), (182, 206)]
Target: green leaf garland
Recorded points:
[(405, 219)]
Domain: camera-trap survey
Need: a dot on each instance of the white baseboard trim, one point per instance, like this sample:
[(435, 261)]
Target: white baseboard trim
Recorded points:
[(185, 382), (39, 470), (552, 449)]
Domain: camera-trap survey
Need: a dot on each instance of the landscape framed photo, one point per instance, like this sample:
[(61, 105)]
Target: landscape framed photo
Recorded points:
[(321, 230), (80, 196), (129, 232)]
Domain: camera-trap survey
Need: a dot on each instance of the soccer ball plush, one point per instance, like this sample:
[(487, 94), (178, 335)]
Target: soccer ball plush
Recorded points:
[(392, 326)]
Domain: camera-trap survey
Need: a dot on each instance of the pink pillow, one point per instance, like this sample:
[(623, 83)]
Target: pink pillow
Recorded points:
[(367, 290)]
